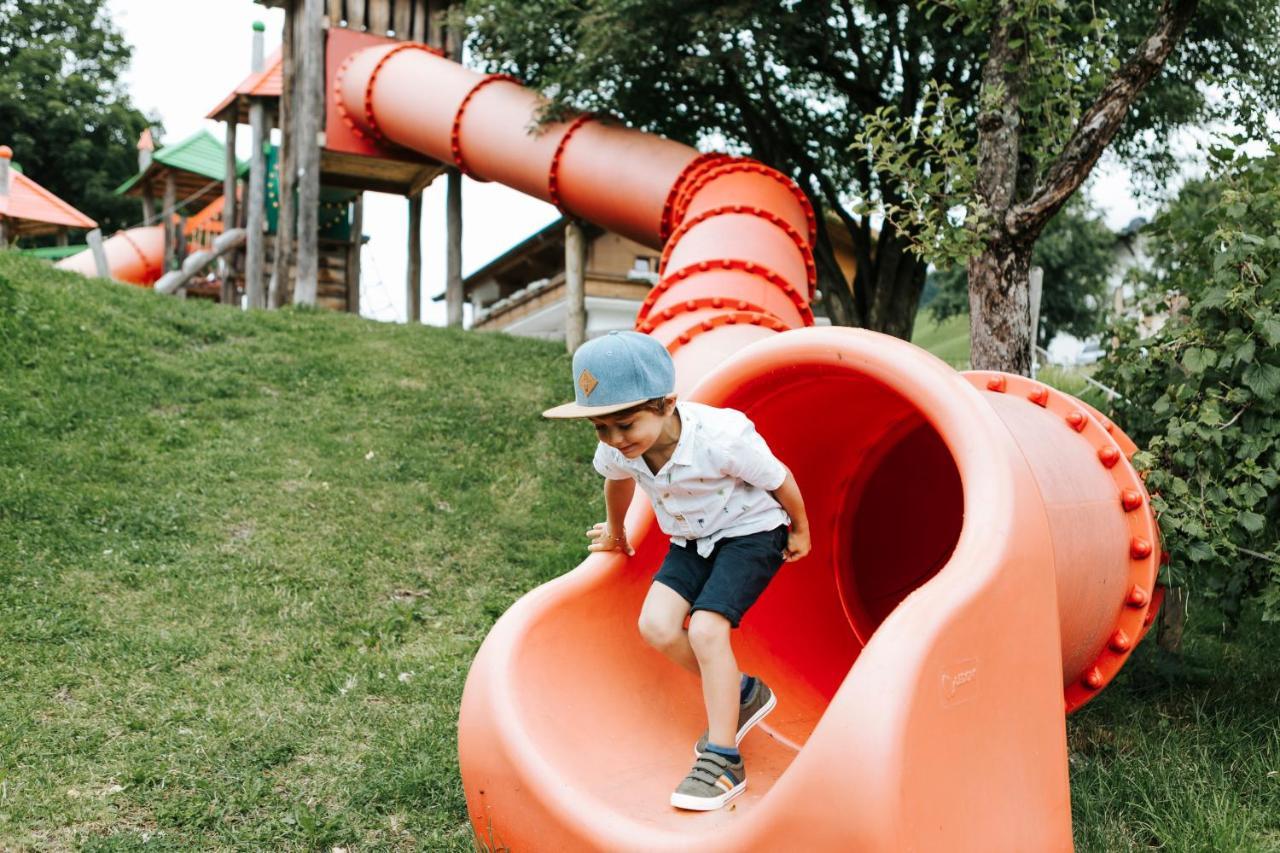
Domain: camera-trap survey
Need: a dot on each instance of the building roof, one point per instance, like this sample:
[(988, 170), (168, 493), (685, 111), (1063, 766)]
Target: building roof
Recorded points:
[(198, 164), (32, 209), (267, 83)]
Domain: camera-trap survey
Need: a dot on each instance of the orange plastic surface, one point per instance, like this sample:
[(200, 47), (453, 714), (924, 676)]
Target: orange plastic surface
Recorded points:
[(982, 549), (134, 256)]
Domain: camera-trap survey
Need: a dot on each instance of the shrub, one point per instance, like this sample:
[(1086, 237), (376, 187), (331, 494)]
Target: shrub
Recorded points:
[(1202, 394)]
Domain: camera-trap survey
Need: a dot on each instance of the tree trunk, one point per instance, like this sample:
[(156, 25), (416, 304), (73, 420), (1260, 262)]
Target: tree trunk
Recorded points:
[(1172, 617), (999, 308)]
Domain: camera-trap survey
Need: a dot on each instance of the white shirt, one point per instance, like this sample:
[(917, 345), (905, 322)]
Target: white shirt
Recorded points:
[(716, 483)]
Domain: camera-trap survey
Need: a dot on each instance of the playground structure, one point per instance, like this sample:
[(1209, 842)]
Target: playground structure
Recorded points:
[(28, 209), (984, 553), (298, 204)]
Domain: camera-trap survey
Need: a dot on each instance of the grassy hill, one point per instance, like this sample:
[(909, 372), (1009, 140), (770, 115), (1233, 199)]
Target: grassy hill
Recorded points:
[(245, 562)]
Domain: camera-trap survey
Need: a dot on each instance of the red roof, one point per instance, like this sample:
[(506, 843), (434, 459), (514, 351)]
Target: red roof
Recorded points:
[(34, 210), (267, 83)]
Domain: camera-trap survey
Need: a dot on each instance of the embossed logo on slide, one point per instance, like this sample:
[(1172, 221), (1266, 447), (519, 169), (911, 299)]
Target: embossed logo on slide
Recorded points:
[(960, 682)]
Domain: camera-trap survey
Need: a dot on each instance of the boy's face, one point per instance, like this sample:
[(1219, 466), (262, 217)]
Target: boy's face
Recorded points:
[(632, 433)]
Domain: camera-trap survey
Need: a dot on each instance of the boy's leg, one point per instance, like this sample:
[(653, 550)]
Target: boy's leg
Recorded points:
[(662, 625), (709, 638)]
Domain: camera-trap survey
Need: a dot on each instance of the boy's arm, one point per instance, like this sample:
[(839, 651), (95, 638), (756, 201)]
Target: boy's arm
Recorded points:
[(788, 494), (610, 535)]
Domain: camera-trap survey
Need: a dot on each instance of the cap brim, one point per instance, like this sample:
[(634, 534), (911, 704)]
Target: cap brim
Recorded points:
[(573, 410)]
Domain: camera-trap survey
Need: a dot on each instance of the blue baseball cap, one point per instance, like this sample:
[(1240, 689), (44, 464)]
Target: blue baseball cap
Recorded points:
[(615, 372)]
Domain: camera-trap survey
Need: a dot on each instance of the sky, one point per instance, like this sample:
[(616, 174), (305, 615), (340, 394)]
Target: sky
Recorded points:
[(494, 217)]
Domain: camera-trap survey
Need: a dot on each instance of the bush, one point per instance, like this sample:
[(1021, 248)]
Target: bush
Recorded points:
[(1202, 394)]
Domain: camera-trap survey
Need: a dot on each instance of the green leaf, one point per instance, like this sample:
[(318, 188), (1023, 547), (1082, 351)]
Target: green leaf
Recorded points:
[(1196, 359), (1263, 379), (1251, 521)]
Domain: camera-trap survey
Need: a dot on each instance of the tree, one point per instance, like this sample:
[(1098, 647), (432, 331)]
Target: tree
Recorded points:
[(800, 85), (1058, 81), (63, 108), (1076, 253), (1202, 393)]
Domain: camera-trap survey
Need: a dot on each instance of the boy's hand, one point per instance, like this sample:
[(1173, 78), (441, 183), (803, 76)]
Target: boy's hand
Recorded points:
[(797, 545), (603, 540)]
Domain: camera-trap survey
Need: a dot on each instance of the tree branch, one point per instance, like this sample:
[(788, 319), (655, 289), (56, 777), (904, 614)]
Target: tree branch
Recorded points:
[(1102, 120)]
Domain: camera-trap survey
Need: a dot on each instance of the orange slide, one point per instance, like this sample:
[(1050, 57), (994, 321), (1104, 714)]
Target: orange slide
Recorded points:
[(133, 256), (984, 554)]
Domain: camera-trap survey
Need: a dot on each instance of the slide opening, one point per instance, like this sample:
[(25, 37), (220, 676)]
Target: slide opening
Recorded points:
[(900, 522), (885, 503)]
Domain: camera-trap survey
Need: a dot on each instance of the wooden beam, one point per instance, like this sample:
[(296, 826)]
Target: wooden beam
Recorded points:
[(413, 274), (353, 254), (435, 25), (309, 104), (148, 205), (379, 16), (256, 223), (94, 239), (453, 254), (167, 218), (400, 19), (419, 32), (335, 13), (575, 279), (423, 179), (255, 247), (280, 291), (356, 15), (230, 179)]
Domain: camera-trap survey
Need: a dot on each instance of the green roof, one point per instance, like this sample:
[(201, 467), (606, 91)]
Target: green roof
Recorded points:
[(200, 153)]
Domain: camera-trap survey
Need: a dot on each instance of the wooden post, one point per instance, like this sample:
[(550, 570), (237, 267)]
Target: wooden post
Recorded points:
[(180, 245), (575, 285), (166, 218), (62, 236), (145, 147), (379, 16), (281, 283), (1036, 285), (419, 33), (335, 13), (94, 239), (413, 277), (255, 248), (309, 104), (453, 251), (400, 21), (230, 182), (4, 232), (353, 254), (355, 15)]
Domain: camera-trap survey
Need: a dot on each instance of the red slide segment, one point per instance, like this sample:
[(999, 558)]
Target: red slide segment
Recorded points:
[(983, 561), (133, 256)]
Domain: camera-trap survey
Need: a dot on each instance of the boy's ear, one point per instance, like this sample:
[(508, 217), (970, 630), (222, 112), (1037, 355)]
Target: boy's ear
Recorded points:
[(668, 401)]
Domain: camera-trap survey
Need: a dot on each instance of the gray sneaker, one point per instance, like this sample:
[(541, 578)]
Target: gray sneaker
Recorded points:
[(713, 782), (759, 702)]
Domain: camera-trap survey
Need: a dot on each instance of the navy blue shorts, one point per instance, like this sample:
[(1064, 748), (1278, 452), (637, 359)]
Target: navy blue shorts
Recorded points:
[(734, 576)]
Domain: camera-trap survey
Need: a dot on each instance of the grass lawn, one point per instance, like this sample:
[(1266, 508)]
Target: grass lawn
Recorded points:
[(245, 562)]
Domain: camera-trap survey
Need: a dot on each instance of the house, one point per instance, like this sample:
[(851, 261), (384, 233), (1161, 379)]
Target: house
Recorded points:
[(522, 291)]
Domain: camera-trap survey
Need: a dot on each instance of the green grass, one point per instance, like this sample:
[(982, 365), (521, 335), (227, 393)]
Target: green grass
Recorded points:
[(948, 340), (245, 562)]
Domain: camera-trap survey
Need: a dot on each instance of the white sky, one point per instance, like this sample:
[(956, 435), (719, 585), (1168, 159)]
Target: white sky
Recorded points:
[(494, 217)]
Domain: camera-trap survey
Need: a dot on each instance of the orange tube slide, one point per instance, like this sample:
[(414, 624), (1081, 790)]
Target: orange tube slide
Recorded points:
[(983, 562), (133, 256)]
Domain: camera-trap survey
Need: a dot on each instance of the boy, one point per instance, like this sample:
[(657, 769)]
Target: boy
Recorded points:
[(724, 499)]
